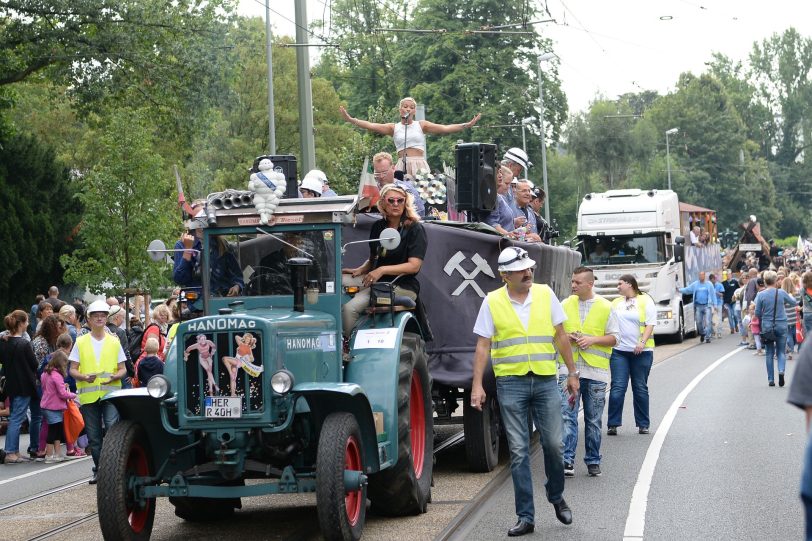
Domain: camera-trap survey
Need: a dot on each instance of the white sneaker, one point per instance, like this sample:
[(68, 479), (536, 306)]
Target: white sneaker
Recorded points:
[(52, 459)]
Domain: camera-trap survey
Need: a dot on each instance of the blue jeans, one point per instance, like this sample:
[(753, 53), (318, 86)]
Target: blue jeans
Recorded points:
[(593, 395), (519, 398), (733, 318), (626, 365), (94, 414), (806, 487), (776, 349), (17, 415), (702, 313)]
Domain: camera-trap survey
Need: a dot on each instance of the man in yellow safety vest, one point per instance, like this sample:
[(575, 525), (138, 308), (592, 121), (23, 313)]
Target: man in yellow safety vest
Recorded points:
[(593, 330), (520, 326), (97, 365)]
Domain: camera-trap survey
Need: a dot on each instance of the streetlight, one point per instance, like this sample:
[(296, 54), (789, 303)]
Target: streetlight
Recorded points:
[(672, 131), (269, 58), (525, 122), (544, 58)]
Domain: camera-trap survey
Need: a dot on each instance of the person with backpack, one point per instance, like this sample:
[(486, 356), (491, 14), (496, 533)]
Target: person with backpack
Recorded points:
[(156, 330)]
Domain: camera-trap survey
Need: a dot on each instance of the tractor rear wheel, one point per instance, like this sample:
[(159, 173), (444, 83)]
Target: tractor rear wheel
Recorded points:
[(341, 514), (405, 488), (125, 455)]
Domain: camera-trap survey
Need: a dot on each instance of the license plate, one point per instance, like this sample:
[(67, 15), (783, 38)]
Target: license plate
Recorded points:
[(223, 407)]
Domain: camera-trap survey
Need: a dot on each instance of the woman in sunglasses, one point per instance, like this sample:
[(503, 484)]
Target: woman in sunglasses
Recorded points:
[(403, 263)]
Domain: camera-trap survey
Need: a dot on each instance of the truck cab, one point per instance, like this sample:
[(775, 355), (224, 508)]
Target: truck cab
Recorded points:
[(642, 232)]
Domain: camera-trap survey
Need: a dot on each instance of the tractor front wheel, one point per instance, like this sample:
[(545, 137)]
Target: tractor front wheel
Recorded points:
[(125, 455), (341, 513)]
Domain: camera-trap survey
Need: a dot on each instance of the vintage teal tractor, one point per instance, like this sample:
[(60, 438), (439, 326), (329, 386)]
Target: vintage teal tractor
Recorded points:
[(258, 394)]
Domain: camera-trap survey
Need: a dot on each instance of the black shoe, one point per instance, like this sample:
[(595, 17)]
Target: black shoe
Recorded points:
[(93, 480), (563, 512), (521, 528), (772, 384), (780, 380), (701, 338), (569, 470), (611, 431), (594, 470), (642, 430)]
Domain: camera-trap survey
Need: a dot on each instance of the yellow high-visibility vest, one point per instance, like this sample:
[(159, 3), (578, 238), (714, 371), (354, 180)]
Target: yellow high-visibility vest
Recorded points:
[(514, 350), (107, 363), (642, 302), (594, 325)]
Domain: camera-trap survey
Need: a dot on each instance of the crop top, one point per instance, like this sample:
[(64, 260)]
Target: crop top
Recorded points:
[(412, 136)]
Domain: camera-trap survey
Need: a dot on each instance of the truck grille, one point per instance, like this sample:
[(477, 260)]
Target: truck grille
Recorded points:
[(216, 362)]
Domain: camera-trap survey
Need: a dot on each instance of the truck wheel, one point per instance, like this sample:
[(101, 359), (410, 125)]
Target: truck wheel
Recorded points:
[(405, 488), (679, 337), (341, 514), (481, 434), (125, 455)]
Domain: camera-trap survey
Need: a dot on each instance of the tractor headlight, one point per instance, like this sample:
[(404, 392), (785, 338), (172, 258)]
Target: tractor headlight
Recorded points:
[(158, 386), (282, 382)]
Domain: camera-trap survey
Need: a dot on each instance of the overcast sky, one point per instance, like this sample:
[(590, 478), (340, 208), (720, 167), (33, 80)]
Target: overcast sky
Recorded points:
[(610, 47)]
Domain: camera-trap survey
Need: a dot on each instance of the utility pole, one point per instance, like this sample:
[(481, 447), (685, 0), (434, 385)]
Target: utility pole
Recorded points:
[(307, 157), (269, 55)]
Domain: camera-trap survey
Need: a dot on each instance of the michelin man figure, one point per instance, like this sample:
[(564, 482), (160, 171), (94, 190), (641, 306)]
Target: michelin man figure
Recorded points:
[(268, 188)]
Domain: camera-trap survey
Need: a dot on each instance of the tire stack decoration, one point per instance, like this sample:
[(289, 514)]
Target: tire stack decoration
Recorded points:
[(433, 190)]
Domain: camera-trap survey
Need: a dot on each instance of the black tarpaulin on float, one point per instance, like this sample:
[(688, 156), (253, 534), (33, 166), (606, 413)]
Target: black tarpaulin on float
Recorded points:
[(458, 271)]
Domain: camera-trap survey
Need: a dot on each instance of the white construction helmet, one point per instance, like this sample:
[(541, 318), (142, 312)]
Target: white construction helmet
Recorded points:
[(313, 184), (318, 174), (517, 155), (98, 306), (514, 258)]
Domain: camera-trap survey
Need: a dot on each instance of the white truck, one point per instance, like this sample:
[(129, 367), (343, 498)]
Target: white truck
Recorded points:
[(643, 233)]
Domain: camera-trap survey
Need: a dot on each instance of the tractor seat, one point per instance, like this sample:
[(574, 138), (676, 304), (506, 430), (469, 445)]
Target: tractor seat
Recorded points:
[(400, 304)]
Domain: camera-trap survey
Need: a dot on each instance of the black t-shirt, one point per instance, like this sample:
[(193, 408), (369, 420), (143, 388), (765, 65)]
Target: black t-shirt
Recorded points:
[(413, 243), (730, 285)]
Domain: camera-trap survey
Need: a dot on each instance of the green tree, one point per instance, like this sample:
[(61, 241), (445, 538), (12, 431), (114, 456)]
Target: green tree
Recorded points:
[(38, 214), (717, 162), (128, 200)]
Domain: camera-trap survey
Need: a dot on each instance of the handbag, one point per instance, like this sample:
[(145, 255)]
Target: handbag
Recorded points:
[(3, 387), (768, 337), (73, 422), (799, 331)]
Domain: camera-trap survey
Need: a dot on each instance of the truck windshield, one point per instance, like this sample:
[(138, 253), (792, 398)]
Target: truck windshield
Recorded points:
[(622, 249), (263, 259)]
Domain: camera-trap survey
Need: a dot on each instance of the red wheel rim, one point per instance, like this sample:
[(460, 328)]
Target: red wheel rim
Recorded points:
[(417, 413), (137, 466), (353, 500)]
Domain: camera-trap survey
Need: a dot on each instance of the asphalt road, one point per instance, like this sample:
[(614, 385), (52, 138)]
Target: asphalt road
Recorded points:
[(728, 469), (729, 465)]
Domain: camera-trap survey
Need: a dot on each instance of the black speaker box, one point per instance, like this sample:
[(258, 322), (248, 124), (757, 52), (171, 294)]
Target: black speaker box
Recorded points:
[(287, 166), (476, 177)]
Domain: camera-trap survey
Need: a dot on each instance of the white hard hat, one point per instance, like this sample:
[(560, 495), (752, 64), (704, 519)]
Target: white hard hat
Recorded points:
[(312, 183), (98, 306), (318, 174), (519, 156), (514, 258)]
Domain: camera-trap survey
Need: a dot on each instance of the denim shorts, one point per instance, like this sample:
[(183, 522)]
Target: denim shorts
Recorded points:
[(53, 417)]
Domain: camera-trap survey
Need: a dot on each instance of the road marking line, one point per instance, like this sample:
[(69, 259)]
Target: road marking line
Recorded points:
[(37, 472), (636, 519)]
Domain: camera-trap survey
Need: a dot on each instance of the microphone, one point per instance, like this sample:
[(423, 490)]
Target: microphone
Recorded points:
[(404, 117)]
